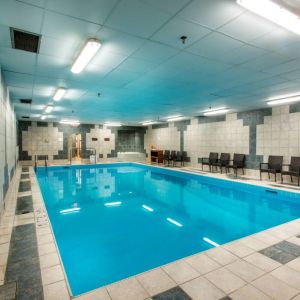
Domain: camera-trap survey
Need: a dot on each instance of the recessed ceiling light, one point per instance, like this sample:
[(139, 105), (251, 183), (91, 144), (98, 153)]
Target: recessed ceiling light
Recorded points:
[(284, 99), (147, 208), (70, 122), (273, 12), (117, 203), (49, 108), (213, 112), (209, 241), (43, 117), (174, 222), (113, 124), (70, 210), (60, 92), (85, 56)]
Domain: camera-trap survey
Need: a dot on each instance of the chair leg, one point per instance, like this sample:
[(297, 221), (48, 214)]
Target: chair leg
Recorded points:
[(298, 180), (291, 178), (260, 175), (269, 175), (281, 179), (275, 176), (243, 171), (235, 172)]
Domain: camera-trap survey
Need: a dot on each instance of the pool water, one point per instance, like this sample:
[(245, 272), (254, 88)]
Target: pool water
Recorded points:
[(114, 221)]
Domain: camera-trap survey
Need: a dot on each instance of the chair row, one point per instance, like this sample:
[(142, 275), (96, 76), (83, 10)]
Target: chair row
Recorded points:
[(275, 165), (173, 157), (238, 162)]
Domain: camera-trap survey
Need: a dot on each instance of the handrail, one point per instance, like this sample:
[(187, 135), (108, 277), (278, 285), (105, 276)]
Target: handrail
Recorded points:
[(95, 151)]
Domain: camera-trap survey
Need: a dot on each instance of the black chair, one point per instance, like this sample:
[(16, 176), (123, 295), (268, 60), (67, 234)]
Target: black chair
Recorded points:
[(172, 156), (294, 169), (273, 166), (223, 162), (238, 162), (166, 157), (208, 161), (180, 157)]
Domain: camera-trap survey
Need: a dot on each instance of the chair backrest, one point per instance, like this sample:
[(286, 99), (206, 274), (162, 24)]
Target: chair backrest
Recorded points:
[(213, 157), (239, 159), (275, 162), (295, 163), (224, 159), (179, 155), (173, 154)]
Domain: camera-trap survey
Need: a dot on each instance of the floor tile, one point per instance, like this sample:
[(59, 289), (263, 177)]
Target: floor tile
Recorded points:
[(180, 271), (127, 289), (249, 292), (238, 249), (24, 176), (49, 260), (267, 238), (56, 291), (46, 248), (8, 291), (278, 254), (263, 262), (274, 288), (288, 275), (24, 204), (202, 263), (25, 169), (200, 288), (52, 274), (45, 239), (253, 243), (99, 294), (289, 248), (4, 239), (24, 186), (245, 270), (221, 256), (225, 280), (156, 281), (173, 294)]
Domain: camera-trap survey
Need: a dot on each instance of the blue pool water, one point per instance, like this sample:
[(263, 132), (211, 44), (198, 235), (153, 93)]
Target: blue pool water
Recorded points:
[(117, 220)]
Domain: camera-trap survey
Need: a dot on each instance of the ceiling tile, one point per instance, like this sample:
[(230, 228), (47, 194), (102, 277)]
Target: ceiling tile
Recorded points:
[(68, 29), (289, 66), (137, 65), (248, 27), (119, 78), (108, 59), (214, 45), (135, 17), (17, 60), (155, 52), (168, 6), (12, 14), (171, 32), (5, 40), (18, 79), (117, 42), (210, 13), (94, 11)]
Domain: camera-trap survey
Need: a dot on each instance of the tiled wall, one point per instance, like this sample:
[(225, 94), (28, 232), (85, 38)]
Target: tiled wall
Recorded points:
[(8, 139), (51, 140), (257, 134)]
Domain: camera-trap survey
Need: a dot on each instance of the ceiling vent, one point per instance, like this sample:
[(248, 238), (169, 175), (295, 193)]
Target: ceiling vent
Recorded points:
[(26, 101), (25, 117), (24, 40)]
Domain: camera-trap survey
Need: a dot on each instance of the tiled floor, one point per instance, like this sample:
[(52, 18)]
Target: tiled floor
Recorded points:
[(262, 266)]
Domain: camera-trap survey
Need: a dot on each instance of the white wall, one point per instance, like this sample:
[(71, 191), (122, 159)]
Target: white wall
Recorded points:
[(8, 145)]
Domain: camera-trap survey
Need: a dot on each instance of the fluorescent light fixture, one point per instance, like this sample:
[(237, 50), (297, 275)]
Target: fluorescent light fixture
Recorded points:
[(70, 122), (207, 240), (113, 124), (70, 210), (60, 92), (85, 56), (43, 117), (274, 13), (117, 203), (147, 208), (176, 118), (213, 112), (284, 100), (174, 222), (48, 109)]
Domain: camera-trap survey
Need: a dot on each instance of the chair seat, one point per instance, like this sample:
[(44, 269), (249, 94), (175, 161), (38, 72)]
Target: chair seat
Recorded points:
[(234, 166), (291, 173), (270, 170)]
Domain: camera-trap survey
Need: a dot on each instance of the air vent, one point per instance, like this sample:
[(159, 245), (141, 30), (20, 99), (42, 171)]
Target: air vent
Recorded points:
[(25, 41), (25, 117), (26, 101)]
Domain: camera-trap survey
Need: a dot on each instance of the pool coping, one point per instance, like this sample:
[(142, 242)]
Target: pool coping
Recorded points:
[(237, 250)]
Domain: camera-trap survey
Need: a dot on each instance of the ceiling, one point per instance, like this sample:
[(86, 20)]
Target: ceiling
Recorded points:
[(231, 58)]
